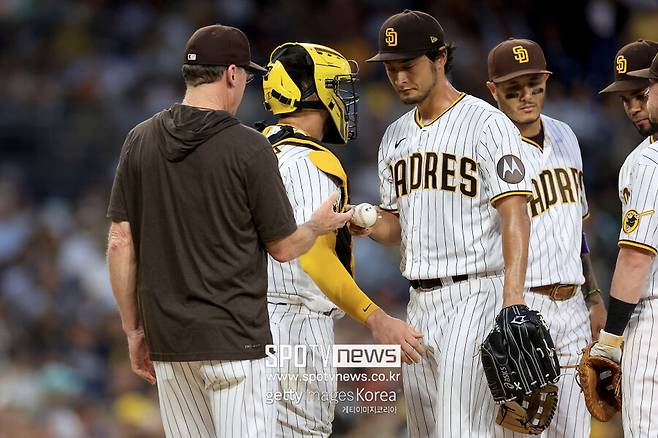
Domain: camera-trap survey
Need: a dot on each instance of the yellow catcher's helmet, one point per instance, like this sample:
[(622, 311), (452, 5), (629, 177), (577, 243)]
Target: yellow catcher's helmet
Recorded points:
[(296, 71)]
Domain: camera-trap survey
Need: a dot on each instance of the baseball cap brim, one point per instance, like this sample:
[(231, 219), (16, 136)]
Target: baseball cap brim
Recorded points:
[(516, 74), (644, 73), (255, 68), (621, 86), (395, 56)]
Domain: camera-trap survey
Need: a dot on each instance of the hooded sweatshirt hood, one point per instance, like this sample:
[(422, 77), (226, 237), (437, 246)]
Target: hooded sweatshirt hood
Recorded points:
[(187, 127)]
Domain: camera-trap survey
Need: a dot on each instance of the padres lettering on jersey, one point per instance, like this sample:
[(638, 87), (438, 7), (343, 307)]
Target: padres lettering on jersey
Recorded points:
[(555, 186), (638, 192), (444, 178), (557, 208), (429, 170)]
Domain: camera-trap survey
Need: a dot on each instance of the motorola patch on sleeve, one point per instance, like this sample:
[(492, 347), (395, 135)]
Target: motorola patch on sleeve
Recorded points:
[(510, 169)]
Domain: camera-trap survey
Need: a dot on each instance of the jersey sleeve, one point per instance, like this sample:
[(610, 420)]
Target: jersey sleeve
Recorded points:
[(266, 196), (639, 220), (506, 164), (387, 194), (118, 207)]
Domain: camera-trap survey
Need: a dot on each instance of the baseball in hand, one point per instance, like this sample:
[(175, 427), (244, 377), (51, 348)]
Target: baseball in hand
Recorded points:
[(365, 215)]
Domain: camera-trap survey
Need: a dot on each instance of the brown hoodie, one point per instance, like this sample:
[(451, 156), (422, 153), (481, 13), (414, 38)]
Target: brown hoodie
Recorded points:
[(202, 193)]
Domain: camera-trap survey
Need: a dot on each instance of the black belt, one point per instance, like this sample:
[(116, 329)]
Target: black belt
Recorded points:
[(434, 283), (327, 313)]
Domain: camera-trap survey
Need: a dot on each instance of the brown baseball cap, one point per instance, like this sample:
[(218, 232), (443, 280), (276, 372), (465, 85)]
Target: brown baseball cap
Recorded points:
[(220, 45), (513, 58), (650, 73), (631, 58), (408, 35)]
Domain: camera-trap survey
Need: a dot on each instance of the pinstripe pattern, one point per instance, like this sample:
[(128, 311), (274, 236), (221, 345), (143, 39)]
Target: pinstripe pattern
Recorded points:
[(297, 325), (444, 231), (554, 257), (447, 393), (568, 322), (640, 370), (625, 171), (217, 398), (643, 187), (639, 176), (555, 234), (297, 304), (307, 188), (450, 227)]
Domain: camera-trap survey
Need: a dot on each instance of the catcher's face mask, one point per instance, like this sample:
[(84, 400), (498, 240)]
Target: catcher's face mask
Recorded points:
[(334, 82)]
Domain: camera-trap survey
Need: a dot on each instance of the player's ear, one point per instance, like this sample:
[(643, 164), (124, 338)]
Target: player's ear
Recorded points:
[(231, 75), (492, 89), (441, 60)]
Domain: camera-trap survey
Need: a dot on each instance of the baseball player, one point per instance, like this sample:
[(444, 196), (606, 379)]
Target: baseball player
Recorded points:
[(557, 258), (632, 308), (454, 181), (312, 88), (196, 203)]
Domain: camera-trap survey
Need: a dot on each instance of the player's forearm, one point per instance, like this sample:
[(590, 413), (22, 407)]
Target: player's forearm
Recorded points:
[(630, 278), (325, 269), (516, 233), (628, 283), (123, 277), (590, 289), (387, 229), (294, 245)]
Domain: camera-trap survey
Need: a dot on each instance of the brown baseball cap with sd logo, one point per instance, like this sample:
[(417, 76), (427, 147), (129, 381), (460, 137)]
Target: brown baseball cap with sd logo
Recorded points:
[(513, 58), (408, 35), (221, 46), (632, 57), (650, 73)]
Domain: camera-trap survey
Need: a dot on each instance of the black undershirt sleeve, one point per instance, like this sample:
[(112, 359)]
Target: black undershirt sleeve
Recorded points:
[(619, 313)]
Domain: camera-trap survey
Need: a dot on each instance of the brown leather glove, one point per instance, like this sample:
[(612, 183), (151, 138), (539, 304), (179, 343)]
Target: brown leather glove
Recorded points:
[(530, 414), (599, 373)]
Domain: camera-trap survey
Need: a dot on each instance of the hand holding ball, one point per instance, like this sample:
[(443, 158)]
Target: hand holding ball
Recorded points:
[(365, 215)]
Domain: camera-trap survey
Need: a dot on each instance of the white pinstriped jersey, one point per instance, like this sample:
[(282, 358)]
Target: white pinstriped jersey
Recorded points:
[(443, 178), (638, 192), (557, 208), (631, 159), (307, 187)]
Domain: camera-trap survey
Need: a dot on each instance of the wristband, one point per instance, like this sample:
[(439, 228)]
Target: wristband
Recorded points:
[(619, 313), (584, 249), (588, 294)]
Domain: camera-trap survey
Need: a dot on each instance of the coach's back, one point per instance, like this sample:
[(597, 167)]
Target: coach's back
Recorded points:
[(197, 188)]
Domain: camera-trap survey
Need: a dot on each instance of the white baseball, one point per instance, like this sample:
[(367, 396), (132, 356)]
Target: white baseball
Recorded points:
[(365, 215)]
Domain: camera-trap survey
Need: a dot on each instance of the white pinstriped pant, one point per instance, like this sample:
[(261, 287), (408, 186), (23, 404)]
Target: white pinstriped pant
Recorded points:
[(214, 399), (310, 417), (447, 393), (639, 372)]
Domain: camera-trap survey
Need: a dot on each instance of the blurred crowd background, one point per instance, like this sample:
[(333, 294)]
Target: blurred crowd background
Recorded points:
[(78, 75)]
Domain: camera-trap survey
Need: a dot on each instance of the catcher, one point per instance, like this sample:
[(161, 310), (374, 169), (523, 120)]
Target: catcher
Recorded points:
[(312, 89), (606, 379)]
